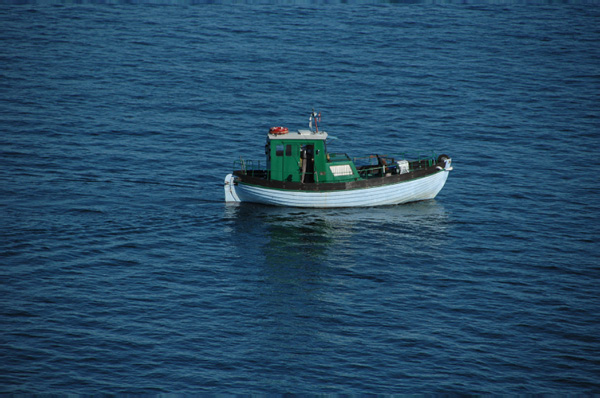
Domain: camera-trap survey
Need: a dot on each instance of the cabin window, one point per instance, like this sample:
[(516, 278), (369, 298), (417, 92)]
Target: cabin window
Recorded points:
[(341, 170), (279, 150), (288, 150)]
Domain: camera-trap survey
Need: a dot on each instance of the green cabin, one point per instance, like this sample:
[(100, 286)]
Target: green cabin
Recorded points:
[(302, 156)]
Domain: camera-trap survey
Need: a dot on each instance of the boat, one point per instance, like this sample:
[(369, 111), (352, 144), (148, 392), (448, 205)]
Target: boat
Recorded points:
[(300, 172)]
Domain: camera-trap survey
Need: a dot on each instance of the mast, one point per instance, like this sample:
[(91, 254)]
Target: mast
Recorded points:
[(317, 118)]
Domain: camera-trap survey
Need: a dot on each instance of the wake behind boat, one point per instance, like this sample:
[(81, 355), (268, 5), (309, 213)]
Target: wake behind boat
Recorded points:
[(299, 172)]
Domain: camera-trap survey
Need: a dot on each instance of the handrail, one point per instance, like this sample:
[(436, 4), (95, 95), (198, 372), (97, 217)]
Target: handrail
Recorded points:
[(417, 161), (374, 168), (411, 156), (247, 167), (337, 156)]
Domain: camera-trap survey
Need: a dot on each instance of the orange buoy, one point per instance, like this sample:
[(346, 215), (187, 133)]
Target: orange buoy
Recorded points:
[(278, 130)]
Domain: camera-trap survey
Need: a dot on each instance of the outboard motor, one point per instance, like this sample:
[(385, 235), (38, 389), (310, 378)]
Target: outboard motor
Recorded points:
[(445, 162)]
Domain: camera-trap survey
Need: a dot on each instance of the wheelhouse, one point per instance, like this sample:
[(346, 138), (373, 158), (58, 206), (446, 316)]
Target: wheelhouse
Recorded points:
[(302, 157)]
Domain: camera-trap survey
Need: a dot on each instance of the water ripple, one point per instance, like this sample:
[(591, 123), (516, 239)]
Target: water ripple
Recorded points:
[(124, 271)]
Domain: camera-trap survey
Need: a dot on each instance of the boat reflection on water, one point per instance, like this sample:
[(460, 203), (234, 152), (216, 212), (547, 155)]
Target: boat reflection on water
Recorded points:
[(286, 236), (319, 263), (338, 237)]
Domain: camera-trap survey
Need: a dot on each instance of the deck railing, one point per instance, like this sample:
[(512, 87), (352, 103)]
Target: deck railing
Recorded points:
[(338, 157), (250, 167), (367, 166), (371, 166)]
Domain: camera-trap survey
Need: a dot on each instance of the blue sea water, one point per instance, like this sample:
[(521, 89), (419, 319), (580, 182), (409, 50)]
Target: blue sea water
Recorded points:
[(123, 271)]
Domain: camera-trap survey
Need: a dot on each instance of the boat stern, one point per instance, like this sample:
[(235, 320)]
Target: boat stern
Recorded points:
[(448, 164), (444, 163)]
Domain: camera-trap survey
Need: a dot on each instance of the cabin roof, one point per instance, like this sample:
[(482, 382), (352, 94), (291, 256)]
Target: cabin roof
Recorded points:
[(299, 135)]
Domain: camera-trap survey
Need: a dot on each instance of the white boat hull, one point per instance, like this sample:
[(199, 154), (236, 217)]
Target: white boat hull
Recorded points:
[(423, 188)]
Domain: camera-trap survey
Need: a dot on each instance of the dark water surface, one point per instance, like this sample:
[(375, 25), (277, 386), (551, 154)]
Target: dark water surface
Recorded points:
[(123, 271)]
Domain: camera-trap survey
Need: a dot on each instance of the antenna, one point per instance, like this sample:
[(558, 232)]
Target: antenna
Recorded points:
[(317, 118)]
